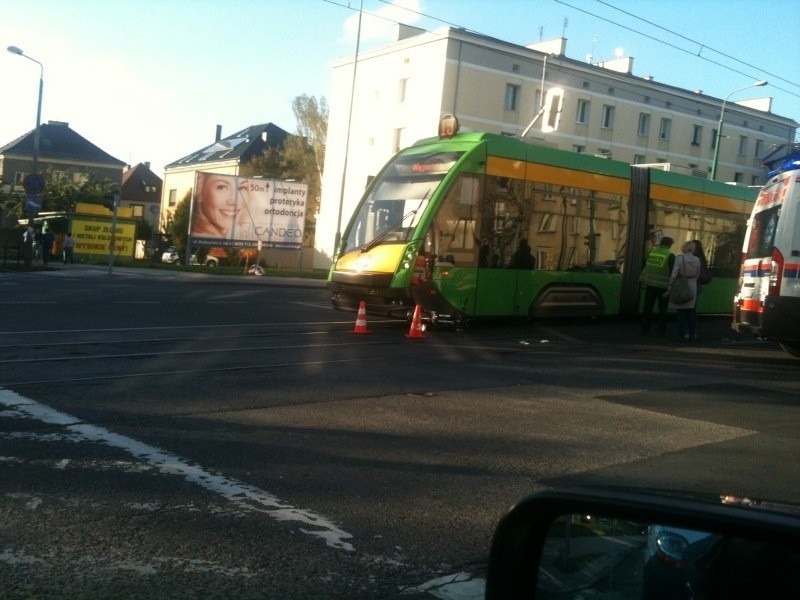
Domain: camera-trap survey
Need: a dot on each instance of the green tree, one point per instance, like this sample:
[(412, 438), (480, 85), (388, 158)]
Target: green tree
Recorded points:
[(180, 223), (312, 125), (59, 195), (62, 195), (302, 156), (11, 209), (305, 153), (269, 164)]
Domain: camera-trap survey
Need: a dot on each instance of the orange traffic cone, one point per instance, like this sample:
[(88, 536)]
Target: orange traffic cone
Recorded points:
[(361, 319), (417, 330)]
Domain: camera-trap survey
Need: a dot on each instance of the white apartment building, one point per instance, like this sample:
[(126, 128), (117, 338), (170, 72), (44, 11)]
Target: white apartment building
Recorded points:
[(400, 91)]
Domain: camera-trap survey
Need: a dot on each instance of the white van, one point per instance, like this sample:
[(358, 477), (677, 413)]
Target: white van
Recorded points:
[(768, 302)]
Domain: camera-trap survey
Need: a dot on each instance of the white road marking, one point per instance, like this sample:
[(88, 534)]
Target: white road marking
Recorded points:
[(241, 494)]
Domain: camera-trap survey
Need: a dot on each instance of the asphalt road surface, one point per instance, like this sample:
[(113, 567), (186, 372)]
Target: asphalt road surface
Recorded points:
[(178, 435)]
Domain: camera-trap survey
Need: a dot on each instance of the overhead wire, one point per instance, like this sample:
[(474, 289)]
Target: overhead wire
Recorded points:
[(697, 54), (700, 44), (666, 43)]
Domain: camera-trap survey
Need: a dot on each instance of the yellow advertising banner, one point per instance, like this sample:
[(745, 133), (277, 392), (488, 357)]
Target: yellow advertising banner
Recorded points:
[(94, 237)]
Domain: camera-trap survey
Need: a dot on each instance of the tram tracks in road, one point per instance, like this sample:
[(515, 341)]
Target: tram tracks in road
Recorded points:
[(171, 372), (89, 355), (208, 351)]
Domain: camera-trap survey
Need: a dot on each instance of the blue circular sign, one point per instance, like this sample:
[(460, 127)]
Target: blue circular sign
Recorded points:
[(33, 183)]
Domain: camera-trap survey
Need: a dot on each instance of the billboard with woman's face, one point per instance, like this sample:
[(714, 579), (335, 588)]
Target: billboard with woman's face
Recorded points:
[(236, 211)]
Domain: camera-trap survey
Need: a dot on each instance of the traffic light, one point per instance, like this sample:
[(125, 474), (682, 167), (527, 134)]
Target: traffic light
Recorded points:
[(109, 201)]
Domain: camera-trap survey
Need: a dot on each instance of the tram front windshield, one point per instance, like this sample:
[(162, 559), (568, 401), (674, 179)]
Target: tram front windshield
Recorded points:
[(397, 201)]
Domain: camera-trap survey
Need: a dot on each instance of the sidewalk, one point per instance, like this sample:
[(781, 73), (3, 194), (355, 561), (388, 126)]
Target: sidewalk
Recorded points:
[(209, 276)]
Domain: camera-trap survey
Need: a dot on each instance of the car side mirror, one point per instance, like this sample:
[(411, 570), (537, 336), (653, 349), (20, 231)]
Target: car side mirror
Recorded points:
[(624, 544)]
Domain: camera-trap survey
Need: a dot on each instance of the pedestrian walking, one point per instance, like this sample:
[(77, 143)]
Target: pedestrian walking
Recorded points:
[(687, 265), (703, 279), (69, 247), (47, 245), (655, 279), (37, 244)]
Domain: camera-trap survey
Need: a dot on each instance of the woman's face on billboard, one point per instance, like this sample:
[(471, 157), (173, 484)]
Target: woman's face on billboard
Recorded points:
[(219, 201)]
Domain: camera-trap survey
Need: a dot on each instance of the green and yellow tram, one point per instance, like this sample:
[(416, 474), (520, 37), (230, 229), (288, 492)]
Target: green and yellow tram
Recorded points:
[(476, 225)]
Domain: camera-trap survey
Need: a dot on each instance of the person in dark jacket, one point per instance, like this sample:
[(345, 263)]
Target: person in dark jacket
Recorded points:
[(522, 258), (655, 279)]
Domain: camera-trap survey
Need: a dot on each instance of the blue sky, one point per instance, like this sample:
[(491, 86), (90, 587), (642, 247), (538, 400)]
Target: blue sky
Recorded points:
[(149, 80)]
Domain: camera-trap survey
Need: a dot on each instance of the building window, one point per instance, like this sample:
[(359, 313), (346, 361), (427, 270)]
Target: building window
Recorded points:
[(574, 224), (80, 178), (137, 210), (737, 177), (697, 135), (759, 148), (714, 136), (608, 117), (638, 159), (579, 149), (60, 176), (19, 177), (172, 197), (742, 145), (583, 112), (664, 130), (547, 224), (644, 124), (754, 180), (512, 97), (401, 97)]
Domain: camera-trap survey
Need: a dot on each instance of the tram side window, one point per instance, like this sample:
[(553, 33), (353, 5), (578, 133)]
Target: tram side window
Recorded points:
[(577, 228), (506, 217), (458, 223), (721, 233)]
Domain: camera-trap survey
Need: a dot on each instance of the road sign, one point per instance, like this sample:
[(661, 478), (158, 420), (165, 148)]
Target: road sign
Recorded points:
[(33, 203), (33, 183)]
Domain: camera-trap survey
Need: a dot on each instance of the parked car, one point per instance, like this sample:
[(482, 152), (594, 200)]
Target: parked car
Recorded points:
[(208, 261), (170, 256)]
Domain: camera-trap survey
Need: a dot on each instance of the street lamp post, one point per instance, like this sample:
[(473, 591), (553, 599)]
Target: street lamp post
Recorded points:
[(19, 52), (27, 249), (715, 161)]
